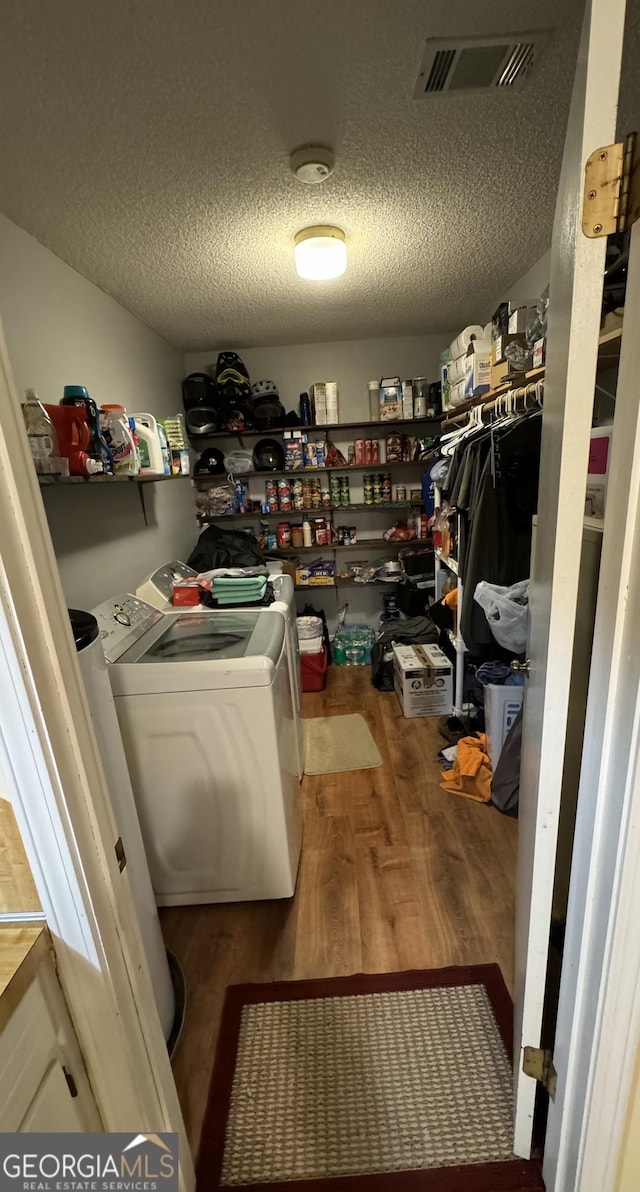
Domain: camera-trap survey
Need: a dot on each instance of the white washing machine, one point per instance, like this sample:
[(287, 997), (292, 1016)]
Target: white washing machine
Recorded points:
[(157, 589), (105, 723), (203, 701)]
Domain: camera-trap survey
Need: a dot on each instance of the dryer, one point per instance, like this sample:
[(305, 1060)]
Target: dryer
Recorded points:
[(203, 700), (157, 589)]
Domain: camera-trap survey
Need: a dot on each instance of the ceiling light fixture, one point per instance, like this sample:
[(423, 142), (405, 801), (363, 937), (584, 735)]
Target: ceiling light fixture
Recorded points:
[(320, 253)]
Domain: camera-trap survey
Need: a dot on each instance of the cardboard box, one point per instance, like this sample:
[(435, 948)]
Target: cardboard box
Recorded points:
[(319, 576), (498, 346), (477, 373), (324, 398), (503, 313), (539, 353), (407, 399), (598, 471), (390, 399), (521, 319), (501, 706), (423, 680), (499, 374)]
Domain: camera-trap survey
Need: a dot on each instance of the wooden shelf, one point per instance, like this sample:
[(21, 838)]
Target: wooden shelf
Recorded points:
[(94, 481), (363, 544), (609, 345), (297, 514), (309, 473), (345, 583), (382, 428)]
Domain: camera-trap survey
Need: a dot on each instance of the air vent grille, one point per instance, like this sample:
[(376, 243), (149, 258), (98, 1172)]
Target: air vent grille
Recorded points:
[(440, 67), (478, 64)]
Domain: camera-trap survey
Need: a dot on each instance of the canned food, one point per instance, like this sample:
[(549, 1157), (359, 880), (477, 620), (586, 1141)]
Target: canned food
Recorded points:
[(368, 451), (283, 535), (353, 535), (416, 496), (316, 495), (340, 533), (272, 502), (401, 492), (345, 498), (334, 489), (325, 496), (368, 489), (284, 495), (271, 488), (393, 447), (359, 447), (375, 451), (377, 492), (272, 542), (307, 490), (386, 488), (346, 535)]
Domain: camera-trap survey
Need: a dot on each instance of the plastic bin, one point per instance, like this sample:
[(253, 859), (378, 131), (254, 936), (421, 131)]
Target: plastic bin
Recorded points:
[(314, 670)]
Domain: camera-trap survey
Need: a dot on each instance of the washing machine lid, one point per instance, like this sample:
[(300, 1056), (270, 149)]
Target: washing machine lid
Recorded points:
[(213, 637)]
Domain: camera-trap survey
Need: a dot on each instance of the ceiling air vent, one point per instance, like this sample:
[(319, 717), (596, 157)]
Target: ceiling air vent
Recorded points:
[(478, 63)]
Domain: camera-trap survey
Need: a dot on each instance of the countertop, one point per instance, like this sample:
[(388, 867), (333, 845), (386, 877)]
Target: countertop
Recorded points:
[(22, 949)]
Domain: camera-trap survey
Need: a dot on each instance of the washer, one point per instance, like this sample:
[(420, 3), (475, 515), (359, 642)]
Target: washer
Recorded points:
[(203, 700), (157, 589), (105, 723)]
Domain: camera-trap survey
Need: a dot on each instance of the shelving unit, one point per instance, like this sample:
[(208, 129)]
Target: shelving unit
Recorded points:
[(94, 481), (309, 473), (379, 427), (447, 561)]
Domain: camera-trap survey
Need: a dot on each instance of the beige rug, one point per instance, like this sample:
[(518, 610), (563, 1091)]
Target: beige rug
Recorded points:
[(336, 743)]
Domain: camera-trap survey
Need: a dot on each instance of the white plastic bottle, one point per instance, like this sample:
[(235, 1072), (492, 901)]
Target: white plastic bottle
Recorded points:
[(151, 457), (115, 428), (41, 433)]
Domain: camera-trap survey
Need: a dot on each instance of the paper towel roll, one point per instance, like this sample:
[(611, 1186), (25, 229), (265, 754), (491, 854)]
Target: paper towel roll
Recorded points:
[(462, 341), (487, 332), (456, 369), (457, 393)]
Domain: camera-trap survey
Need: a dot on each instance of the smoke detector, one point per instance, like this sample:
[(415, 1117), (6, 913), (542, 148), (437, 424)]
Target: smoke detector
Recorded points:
[(312, 164)]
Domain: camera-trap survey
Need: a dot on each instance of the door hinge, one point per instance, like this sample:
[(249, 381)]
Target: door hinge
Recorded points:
[(611, 201), (73, 1088), (121, 856), (539, 1064)]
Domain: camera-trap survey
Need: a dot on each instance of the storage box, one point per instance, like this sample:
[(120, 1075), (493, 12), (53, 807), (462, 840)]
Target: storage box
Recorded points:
[(477, 372), (598, 471), (498, 346), (501, 706), (321, 575), (504, 312), (313, 671), (407, 399), (499, 374), (423, 681), (521, 319), (324, 396)]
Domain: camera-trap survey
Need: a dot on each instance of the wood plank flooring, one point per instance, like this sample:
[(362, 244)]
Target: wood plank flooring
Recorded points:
[(395, 874)]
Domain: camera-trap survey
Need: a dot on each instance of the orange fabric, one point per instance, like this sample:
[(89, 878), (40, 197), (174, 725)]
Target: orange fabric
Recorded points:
[(451, 599), (471, 773)]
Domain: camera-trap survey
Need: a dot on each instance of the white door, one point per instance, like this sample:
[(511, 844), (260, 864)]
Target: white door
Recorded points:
[(577, 266)]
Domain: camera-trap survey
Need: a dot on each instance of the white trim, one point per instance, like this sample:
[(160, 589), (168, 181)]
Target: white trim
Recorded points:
[(63, 811), (599, 998)]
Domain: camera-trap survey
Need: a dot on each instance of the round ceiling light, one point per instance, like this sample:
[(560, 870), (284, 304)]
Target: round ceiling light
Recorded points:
[(320, 253)]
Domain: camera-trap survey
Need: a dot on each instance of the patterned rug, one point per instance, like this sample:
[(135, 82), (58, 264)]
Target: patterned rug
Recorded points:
[(398, 1080)]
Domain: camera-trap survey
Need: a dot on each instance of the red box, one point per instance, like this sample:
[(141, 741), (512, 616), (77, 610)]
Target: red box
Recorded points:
[(186, 594), (314, 670)]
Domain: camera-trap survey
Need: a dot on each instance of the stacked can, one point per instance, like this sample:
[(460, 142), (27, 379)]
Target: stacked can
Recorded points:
[(334, 490), (367, 483), (386, 488), (296, 494), (316, 494), (284, 496), (271, 494), (345, 498)]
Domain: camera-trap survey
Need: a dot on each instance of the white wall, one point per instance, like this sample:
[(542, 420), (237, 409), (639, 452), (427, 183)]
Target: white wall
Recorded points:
[(60, 329), (530, 285), (351, 363)]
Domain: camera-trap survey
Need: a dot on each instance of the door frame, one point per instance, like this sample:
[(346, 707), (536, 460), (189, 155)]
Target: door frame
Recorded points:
[(58, 789), (600, 983)]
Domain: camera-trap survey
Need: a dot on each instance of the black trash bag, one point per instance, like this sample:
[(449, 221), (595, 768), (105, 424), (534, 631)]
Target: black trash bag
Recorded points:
[(411, 632), (310, 611), (225, 548)]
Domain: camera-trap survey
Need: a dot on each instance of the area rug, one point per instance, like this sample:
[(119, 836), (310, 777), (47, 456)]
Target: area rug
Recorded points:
[(336, 743), (391, 1081)]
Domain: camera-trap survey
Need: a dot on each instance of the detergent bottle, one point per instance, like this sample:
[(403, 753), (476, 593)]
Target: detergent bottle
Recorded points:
[(151, 457), (78, 395), (115, 428), (41, 433), (74, 439)]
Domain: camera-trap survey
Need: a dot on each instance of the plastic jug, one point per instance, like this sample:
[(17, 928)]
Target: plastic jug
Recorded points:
[(42, 436), (151, 458), (115, 428), (78, 395), (74, 438)]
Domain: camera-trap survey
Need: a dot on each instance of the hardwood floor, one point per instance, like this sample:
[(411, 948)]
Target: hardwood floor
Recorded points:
[(395, 874)]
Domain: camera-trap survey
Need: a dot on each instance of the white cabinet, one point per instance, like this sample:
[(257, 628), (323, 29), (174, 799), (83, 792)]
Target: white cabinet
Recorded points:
[(43, 1083)]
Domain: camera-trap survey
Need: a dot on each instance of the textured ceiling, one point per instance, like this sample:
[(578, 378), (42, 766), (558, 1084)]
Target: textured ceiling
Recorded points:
[(147, 144)]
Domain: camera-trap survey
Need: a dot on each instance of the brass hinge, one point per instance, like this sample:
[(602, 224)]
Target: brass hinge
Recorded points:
[(539, 1064), (73, 1088), (121, 856), (611, 201)]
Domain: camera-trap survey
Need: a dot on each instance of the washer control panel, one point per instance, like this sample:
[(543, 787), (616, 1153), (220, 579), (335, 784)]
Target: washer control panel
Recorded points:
[(122, 622)]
